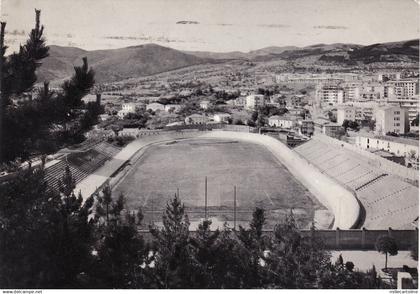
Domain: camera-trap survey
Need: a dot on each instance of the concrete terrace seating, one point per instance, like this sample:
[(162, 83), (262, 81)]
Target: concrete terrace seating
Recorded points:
[(362, 179), (107, 149), (56, 171), (394, 203), (388, 200), (88, 161)]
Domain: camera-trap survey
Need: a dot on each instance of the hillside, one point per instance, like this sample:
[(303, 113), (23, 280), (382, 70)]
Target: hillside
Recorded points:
[(116, 64), (268, 51), (120, 64)]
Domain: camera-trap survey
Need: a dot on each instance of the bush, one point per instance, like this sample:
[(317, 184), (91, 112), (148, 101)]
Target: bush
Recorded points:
[(124, 140)]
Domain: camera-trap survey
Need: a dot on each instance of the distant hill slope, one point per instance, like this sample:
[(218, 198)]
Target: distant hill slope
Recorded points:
[(120, 64), (116, 64), (242, 55)]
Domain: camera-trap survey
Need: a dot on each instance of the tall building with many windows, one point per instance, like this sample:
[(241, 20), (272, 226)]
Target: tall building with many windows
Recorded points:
[(329, 94), (391, 118)]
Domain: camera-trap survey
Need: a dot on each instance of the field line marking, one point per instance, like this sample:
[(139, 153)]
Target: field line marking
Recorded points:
[(269, 198), (146, 199)]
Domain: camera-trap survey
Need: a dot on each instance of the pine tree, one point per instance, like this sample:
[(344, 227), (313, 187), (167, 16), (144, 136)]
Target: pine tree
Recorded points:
[(121, 249), (173, 260), (79, 85), (20, 67)]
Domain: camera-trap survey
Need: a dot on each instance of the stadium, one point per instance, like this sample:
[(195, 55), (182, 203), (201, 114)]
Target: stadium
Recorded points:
[(223, 175)]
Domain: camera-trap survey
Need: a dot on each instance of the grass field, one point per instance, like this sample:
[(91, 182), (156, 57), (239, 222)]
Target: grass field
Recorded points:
[(260, 180)]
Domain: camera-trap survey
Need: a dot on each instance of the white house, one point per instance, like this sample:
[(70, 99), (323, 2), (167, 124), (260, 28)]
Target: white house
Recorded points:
[(172, 108), (196, 119), (204, 104), (221, 117), (126, 109), (285, 122), (155, 106)]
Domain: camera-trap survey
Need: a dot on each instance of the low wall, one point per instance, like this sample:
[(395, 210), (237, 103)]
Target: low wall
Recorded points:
[(363, 239), (374, 160), (336, 198), (347, 239)]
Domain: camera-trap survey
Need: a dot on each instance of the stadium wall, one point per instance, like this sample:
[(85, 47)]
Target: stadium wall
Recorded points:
[(340, 201)]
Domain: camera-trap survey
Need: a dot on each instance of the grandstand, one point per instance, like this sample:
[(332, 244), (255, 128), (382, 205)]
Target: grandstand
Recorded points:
[(387, 199), (81, 164)]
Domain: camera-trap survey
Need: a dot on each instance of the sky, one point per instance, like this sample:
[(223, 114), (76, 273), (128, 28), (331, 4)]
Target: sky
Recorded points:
[(217, 25)]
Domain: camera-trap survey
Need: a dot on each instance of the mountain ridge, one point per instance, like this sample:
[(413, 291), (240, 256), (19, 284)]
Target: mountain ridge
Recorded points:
[(113, 65)]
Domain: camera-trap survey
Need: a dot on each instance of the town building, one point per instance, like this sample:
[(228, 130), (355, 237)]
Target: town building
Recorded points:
[(391, 118), (334, 130), (155, 106), (351, 91), (240, 101), (356, 111), (295, 101), (205, 104), (411, 104), (126, 108), (407, 148), (286, 122), (319, 123), (306, 127), (328, 94), (386, 76), (403, 88), (254, 101), (221, 117), (196, 119), (172, 108)]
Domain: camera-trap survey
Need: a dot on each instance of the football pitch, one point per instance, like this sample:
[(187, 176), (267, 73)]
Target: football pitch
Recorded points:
[(260, 180)]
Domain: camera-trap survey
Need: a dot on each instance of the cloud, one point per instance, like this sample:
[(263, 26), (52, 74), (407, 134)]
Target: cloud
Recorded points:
[(161, 39), (16, 33), (274, 25), (331, 27), (187, 22)]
